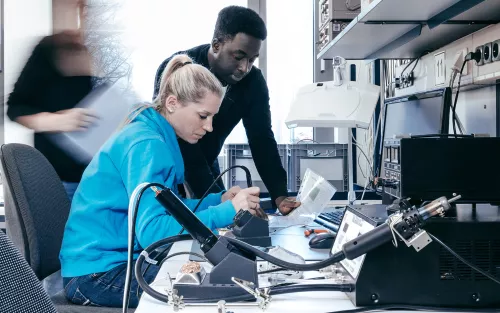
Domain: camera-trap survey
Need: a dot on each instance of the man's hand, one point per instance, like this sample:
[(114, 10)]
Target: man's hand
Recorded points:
[(230, 194), (287, 204)]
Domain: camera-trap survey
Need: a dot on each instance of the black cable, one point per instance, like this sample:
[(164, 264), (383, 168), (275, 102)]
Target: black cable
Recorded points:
[(450, 250), (337, 257), (393, 307), (408, 65), (414, 66), (247, 175), (130, 256), (166, 250), (279, 290), (142, 257), (456, 99)]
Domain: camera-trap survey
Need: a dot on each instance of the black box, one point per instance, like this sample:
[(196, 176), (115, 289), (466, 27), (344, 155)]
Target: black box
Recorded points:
[(427, 168), (433, 276)]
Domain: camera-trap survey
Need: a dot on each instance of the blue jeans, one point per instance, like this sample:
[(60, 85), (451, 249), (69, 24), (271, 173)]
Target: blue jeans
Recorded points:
[(70, 189), (106, 289)]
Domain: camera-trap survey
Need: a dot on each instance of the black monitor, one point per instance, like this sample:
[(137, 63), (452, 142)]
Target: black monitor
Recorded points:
[(424, 113)]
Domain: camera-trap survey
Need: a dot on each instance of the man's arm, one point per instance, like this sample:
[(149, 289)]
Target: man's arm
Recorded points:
[(257, 122), (197, 172)]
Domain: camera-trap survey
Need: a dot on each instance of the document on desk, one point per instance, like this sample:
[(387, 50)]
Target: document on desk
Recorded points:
[(314, 194), (111, 106)]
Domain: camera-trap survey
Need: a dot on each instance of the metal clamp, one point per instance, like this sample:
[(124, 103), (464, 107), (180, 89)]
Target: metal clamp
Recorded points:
[(418, 241), (262, 296), (174, 299)]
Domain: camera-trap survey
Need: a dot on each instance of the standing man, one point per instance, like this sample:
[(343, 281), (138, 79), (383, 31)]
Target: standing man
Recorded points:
[(235, 46)]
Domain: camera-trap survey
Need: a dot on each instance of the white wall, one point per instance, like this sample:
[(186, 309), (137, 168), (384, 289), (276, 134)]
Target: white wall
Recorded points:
[(25, 22), (475, 108)]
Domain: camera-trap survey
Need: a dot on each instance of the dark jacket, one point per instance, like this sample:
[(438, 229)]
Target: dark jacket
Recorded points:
[(248, 100)]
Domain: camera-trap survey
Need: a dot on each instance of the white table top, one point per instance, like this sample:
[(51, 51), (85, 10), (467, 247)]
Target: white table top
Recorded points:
[(310, 302)]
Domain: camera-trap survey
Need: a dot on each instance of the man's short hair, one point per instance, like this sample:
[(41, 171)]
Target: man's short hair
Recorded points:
[(235, 19)]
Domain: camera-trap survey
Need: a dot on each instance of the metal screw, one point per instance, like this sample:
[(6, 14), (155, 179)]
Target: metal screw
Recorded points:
[(374, 298)]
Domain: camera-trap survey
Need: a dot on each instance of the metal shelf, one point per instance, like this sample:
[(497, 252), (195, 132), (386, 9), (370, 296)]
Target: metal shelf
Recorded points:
[(393, 29), (397, 10)]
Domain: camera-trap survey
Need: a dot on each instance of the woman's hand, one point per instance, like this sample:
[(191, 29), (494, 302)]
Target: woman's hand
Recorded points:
[(248, 199), (230, 194)]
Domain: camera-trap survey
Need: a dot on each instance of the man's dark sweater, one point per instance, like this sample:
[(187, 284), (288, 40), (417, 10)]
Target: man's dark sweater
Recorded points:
[(42, 88), (247, 100)]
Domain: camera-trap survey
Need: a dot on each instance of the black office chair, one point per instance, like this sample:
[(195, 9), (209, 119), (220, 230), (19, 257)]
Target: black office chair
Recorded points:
[(36, 211), (21, 291)]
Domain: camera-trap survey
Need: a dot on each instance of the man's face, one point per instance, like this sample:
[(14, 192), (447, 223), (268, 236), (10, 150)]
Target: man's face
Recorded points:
[(234, 58)]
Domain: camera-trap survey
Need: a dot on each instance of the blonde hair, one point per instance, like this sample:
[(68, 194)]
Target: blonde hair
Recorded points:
[(187, 81)]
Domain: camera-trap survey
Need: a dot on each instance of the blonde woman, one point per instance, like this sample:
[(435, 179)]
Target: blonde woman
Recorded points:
[(94, 250)]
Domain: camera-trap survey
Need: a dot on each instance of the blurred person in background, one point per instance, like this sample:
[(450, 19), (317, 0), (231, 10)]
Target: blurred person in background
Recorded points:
[(57, 76)]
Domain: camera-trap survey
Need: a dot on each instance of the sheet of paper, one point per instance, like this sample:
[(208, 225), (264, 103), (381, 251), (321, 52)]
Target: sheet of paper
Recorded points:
[(111, 106), (314, 194)]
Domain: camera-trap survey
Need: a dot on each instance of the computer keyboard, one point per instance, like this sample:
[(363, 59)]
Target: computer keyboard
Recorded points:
[(331, 220)]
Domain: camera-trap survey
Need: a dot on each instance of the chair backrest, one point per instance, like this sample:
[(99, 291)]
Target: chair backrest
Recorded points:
[(36, 206), (21, 291)]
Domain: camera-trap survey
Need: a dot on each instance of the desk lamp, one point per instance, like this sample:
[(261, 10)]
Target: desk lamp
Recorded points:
[(338, 103)]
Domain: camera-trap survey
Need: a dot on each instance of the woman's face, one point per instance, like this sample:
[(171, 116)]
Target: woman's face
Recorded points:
[(191, 121)]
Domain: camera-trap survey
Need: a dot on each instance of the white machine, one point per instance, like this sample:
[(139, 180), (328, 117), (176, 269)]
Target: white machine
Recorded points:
[(338, 103)]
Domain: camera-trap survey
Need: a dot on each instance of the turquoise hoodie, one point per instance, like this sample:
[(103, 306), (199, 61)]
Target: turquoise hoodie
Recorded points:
[(95, 237)]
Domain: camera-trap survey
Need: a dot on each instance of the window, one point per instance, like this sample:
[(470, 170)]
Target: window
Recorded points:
[(155, 29), (136, 36), (290, 56)]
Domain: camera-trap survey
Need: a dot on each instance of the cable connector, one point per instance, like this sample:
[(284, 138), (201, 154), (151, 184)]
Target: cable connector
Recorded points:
[(473, 55)]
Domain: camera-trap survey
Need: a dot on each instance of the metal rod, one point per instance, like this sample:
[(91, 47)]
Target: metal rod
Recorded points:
[(454, 199), (351, 195)]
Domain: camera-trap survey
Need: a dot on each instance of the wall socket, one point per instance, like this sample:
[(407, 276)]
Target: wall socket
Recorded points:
[(440, 68)]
